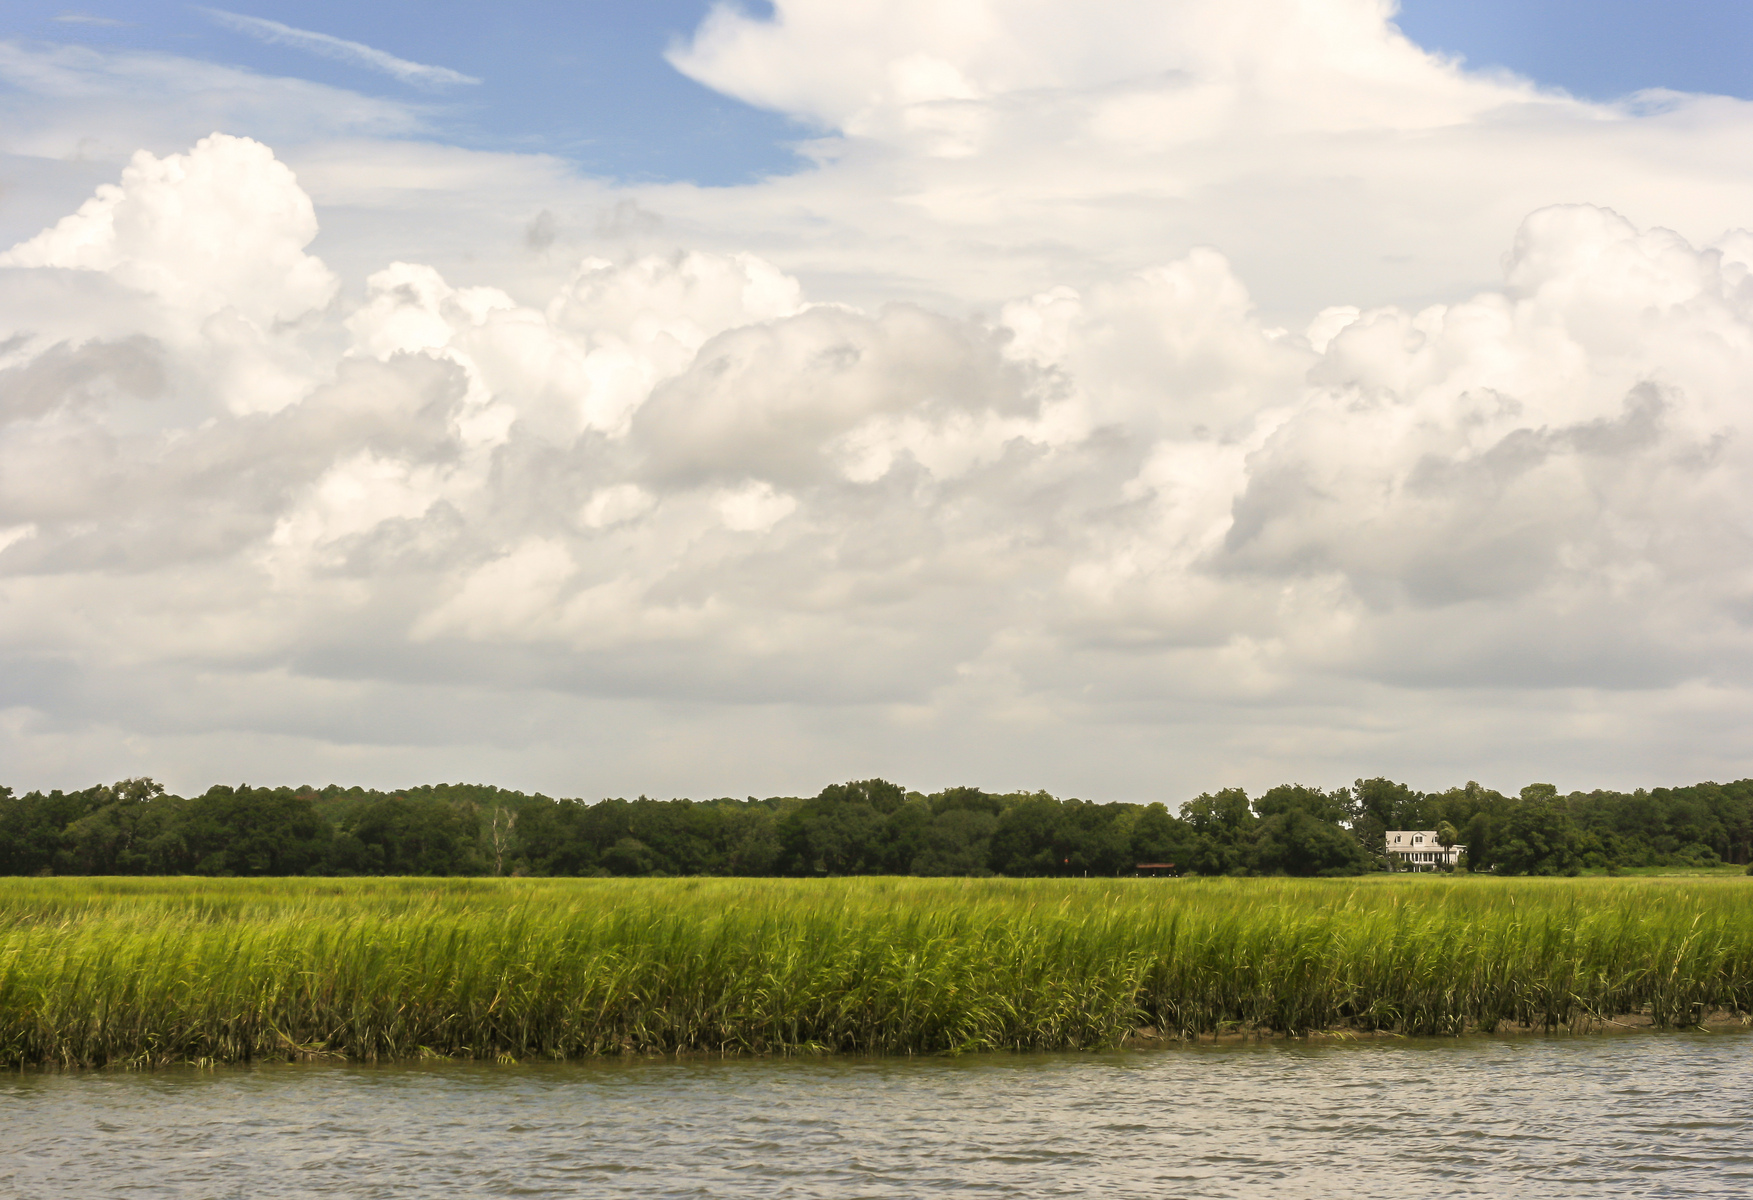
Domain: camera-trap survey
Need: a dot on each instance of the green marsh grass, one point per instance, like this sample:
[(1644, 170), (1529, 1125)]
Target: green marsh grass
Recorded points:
[(150, 971)]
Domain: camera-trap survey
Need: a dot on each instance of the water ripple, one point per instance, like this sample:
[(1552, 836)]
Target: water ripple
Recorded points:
[(1644, 1115)]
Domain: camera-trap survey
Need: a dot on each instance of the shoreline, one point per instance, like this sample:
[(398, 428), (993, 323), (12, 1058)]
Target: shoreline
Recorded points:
[(1142, 1038), (1147, 1037)]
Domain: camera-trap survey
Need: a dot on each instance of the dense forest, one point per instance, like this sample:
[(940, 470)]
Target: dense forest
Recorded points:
[(863, 828)]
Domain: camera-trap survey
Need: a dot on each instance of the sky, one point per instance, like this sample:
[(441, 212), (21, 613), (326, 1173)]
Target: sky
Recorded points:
[(586, 79), (1127, 399)]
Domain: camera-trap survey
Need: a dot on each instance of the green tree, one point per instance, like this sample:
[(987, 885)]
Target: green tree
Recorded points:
[(1224, 829), (120, 834), (1333, 808), (1536, 836), (1388, 804), (839, 832), (1095, 839), (1158, 837), (956, 842), (752, 841), (249, 831), (1294, 841), (1025, 840), (629, 856), (31, 829), (415, 835)]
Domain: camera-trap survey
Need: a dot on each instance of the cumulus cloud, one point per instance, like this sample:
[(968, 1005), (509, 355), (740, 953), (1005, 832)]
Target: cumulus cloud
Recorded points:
[(886, 67), (224, 226), (699, 511), (995, 148)]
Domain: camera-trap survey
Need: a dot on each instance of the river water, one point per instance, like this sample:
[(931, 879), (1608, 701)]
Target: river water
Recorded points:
[(1605, 1115)]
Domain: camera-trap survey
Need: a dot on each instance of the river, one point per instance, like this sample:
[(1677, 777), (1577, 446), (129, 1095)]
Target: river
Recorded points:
[(1646, 1114)]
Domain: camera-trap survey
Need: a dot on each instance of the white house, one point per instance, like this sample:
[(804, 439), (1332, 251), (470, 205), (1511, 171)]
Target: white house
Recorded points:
[(1420, 851)]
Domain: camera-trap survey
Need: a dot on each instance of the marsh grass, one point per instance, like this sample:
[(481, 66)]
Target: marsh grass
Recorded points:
[(150, 971)]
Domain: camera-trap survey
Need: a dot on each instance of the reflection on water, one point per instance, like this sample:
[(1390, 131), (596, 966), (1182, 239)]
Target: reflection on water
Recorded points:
[(1648, 1115)]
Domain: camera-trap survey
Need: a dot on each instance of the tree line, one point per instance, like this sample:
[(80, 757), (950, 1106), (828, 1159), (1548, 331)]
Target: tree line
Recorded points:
[(867, 827)]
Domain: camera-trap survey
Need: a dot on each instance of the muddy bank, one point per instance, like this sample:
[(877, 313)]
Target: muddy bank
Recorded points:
[(1146, 1037)]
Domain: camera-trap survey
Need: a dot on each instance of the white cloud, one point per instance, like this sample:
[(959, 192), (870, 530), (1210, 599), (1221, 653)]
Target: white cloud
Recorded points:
[(355, 53), (14, 534), (867, 67), (754, 508), (968, 454), (69, 104), (615, 504), (224, 226), (1330, 159)]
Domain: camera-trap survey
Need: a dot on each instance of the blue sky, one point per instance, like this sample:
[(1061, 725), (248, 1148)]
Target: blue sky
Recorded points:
[(1597, 48), (586, 79)]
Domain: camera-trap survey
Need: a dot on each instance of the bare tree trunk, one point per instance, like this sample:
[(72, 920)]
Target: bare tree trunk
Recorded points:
[(499, 836)]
